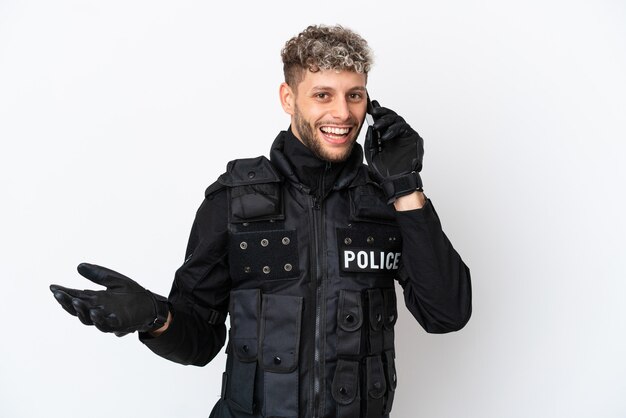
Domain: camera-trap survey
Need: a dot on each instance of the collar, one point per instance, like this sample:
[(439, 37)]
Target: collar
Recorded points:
[(311, 174)]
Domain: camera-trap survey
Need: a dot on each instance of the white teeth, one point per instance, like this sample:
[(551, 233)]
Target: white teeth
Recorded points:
[(335, 131)]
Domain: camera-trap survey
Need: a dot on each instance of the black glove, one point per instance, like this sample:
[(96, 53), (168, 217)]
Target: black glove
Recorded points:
[(123, 308), (394, 153)]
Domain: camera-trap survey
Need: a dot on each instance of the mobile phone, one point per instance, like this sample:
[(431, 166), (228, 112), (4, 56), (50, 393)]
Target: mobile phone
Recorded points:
[(370, 122), (368, 115)]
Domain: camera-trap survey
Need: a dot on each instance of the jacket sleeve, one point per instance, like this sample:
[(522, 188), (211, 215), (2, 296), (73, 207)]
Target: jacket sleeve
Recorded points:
[(436, 282), (200, 292)]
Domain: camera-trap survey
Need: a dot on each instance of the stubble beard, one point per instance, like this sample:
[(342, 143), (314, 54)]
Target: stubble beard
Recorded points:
[(308, 135)]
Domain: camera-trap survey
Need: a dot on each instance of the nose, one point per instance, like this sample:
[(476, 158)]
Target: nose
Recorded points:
[(340, 109)]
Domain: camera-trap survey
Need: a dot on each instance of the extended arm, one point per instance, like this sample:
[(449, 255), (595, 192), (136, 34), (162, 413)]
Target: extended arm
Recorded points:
[(188, 327)]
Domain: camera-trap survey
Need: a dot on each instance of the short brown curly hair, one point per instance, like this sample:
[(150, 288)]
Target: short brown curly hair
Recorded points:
[(321, 47)]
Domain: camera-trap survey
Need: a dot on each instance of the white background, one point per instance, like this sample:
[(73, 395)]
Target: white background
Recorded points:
[(115, 116)]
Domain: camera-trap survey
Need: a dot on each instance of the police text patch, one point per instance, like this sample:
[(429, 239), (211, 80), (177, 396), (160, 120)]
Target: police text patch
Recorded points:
[(368, 260)]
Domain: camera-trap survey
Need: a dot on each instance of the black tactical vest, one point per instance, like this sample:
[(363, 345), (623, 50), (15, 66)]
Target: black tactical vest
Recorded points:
[(313, 305)]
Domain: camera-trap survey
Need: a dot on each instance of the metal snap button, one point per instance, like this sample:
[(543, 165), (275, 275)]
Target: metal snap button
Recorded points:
[(391, 317), (347, 241), (264, 242), (377, 385), (349, 318), (245, 224), (243, 245), (247, 269), (245, 348), (370, 240), (285, 241), (277, 360), (379, 317), (266, 269), (288, 267), (343, 390), (251, 174)]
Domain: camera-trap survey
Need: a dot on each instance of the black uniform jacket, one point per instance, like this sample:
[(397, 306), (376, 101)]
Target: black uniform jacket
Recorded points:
[(303, 255)]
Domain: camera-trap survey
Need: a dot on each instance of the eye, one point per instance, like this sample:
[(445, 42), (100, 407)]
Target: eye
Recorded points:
[(355, 97), (321, 96)]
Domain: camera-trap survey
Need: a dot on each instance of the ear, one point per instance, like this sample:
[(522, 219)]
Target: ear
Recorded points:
[(287, 98)]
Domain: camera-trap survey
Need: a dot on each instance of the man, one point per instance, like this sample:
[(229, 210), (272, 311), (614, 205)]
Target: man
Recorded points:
[(302, 251)]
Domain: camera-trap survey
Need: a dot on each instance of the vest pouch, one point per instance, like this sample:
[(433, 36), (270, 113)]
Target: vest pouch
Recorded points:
[(243, 344), (376, 386), (376, 312), (389, 364), (255, 202), (390, 317), (345, 389), (349, 322), (281, 318), (254, 190), (367, 202)]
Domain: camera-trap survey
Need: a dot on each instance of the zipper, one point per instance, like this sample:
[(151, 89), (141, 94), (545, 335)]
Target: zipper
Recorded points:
[(317, 216), (318, 276)]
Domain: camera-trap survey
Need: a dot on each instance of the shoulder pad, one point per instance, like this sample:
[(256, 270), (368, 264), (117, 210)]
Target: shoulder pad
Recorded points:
[(247, 171), (215, 187)]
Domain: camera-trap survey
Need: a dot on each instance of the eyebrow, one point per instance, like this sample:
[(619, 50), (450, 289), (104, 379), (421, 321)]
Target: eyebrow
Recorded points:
[(357, 88)]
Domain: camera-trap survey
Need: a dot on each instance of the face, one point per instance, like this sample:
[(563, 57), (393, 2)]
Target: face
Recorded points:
[(327, 111)]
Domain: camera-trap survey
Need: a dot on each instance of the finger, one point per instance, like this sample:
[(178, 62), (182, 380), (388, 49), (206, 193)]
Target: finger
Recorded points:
[(385, 121), (396, 130), (378, 111), (64, 300), (113, 321), (103, 276), (82, 311), (100, 320), (65, 296), (75, 293), (369, 144)]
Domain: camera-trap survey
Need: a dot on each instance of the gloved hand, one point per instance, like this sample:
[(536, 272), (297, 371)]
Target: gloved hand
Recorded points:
[(394, 153), (122, 308)]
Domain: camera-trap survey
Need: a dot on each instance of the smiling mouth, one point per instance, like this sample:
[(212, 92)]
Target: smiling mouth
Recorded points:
[(334, 134)]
